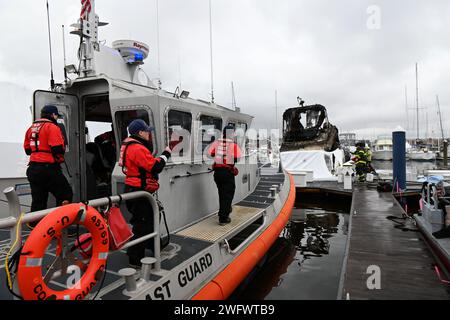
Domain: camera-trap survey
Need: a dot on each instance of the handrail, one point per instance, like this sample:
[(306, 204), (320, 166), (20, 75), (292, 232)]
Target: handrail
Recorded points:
[(250, 237), (188, 174), (11, 221)]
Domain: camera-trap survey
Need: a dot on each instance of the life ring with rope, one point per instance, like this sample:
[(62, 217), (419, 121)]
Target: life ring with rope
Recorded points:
[(29, 275)]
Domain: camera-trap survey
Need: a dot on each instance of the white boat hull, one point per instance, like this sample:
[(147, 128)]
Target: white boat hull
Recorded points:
[(422, 156), (382, 155), (318, 162)]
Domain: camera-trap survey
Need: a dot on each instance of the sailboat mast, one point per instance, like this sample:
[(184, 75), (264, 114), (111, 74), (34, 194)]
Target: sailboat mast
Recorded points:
[(406, 108), (440, 117), (417, 101), (276, 109)]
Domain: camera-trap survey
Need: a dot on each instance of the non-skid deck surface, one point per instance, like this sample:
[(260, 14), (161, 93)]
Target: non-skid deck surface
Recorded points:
[(210, 230), (260, 197), (404, 260)]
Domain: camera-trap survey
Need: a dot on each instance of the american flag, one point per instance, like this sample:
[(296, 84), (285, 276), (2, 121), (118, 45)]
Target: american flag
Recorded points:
[(85, 9)]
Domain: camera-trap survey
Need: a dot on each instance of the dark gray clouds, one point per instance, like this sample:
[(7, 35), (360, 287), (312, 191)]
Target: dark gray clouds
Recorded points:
[(319, 50)]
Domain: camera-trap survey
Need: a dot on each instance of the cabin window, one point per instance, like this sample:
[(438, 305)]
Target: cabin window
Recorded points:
[(210, 130), (179, 124), (233, 124), (124, 118), (241, 137), (63, 125)]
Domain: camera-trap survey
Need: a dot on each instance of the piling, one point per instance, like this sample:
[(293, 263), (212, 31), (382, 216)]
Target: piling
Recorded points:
[(399, 159)]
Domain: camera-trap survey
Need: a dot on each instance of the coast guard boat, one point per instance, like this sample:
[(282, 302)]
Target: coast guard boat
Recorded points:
[(194, 257)]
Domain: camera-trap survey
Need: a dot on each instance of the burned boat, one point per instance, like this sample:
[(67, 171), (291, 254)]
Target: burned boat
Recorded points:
[(308, 128), (310, 143)]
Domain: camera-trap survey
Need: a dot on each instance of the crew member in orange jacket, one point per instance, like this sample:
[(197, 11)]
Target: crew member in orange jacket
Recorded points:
[(225, 153), (141, 169), (44, 143)]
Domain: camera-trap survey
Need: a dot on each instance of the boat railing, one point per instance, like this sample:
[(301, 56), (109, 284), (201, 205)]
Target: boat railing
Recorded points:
[(429, 196), (12, 222), (251, 237)]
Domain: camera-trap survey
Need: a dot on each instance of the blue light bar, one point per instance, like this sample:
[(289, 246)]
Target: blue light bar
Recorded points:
[(138, 57)]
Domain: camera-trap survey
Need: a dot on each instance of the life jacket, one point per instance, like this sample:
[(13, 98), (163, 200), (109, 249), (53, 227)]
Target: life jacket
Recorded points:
[(136, 176), (38, 141), (225, 151)]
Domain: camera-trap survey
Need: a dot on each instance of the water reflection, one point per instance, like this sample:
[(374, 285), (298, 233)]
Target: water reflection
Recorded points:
[(304, 262)]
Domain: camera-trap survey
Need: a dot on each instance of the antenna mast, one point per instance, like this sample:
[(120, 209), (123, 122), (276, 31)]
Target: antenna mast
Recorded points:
[(233, 96), (179, 67), (64, 52), (52, 81), (87, 29), (211, 51), (157, 40)]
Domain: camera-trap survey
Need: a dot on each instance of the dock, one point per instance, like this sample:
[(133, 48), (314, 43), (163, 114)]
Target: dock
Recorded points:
[(405, 263), (326, 187)]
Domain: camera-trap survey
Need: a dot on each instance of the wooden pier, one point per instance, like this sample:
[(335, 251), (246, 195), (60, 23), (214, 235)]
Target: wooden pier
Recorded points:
[(404, 261)]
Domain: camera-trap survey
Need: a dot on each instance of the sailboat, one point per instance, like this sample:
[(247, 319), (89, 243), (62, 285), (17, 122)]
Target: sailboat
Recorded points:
[(419, 151), (441, 148)]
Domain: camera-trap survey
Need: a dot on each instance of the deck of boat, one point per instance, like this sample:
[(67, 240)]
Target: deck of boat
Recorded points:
[(404, 260), (183, 245), (440, 247)]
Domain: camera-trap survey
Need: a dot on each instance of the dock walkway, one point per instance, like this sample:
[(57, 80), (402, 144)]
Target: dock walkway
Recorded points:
[(405, 262)]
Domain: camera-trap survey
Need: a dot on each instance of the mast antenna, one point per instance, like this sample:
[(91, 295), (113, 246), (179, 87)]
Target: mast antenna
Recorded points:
[(52, 81), (233, 96), (157, 40), (211, 51), (64, 52), (179, 67)]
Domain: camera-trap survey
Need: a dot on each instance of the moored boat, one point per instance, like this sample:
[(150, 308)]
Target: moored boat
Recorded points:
[(432, 221), (310, 143), (383, 149), (194, 256)]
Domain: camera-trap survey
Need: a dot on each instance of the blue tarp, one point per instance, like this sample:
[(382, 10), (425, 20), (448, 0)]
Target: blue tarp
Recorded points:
[(431, 179)]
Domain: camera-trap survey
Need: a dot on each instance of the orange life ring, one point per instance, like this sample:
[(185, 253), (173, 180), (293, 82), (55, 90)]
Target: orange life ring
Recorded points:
[(30, 279)]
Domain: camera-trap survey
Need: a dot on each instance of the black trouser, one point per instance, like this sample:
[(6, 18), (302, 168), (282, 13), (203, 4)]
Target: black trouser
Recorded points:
[(142, 220), (224, 179), (45, 178), (361, 171)]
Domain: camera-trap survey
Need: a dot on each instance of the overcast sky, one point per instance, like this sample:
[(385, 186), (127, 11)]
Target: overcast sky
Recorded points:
[(335, 53)]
